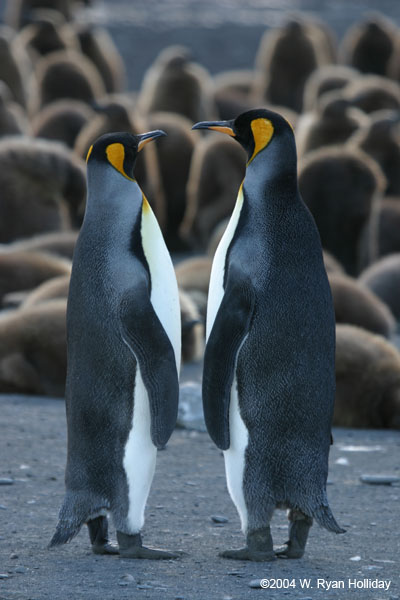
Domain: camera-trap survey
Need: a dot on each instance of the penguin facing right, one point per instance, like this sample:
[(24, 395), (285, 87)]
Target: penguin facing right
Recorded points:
[(124, 346), (269, 369)]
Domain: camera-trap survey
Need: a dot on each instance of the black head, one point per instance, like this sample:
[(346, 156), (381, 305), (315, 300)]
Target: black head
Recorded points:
[(120, 150), (253, 129)]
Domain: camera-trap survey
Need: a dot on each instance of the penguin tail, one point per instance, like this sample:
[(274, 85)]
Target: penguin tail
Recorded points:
[(76, 510), (324, 517)]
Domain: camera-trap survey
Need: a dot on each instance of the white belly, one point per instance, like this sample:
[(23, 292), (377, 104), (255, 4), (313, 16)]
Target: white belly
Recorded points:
[(235, 455), (216, 288), (140, 457), (140, 452)]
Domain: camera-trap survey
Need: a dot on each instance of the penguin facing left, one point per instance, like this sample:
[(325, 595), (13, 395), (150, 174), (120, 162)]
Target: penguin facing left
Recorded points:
[(269, 371), (124, 346)]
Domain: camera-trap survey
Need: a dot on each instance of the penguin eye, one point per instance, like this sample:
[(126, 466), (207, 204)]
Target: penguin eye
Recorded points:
[(263, 131), (116, 156)]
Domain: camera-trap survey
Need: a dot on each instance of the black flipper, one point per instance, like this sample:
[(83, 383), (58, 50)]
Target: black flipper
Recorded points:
[(229, 330), (144, 334)]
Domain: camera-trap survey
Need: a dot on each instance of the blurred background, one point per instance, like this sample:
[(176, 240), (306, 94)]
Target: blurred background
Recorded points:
[(71, 70)]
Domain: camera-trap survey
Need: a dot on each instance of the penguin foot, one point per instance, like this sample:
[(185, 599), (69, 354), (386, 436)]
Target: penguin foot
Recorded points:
[(259, 547), (289, 551), (98, 533), (299, 528), (247, 554), (130, 546)]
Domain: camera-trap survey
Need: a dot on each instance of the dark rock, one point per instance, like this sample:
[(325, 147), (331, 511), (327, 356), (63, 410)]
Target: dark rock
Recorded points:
[(6, 481), (219, 519)]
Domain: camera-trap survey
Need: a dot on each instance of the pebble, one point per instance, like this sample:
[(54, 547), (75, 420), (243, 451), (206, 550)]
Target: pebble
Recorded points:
[(21, 570), (144, 586), (379, 479), (219, 519), (255, 584), (355, 558), (6, 481), (342, 461), (3, 576), (126, 579), (2, 507), (13, 555)]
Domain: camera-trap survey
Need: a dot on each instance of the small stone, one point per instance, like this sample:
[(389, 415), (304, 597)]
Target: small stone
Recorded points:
[(3, 576), (2, 507), (6, 481), (21, 570), (255, 584), (219, 519), (383, 560), (379, 479), (13, 555), (126, 579), (179, 597), (355, 558), (144, 586), (371, 568), (342, 461)]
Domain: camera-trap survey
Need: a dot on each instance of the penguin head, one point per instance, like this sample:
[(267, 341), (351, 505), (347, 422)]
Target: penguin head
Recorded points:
[(120, 150), (254, 130)]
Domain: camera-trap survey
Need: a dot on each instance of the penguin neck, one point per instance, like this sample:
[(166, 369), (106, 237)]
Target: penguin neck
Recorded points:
[(271, 179), (113, 202)]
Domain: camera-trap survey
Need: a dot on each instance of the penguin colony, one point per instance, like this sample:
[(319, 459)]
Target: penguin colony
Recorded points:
[(62, 87)]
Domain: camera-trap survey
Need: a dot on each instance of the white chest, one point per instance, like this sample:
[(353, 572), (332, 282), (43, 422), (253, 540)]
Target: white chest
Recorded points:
[(164, 288), (216, 288)]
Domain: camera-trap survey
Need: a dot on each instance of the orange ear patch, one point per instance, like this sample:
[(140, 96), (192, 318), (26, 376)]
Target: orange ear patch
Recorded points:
[(263, 131), (116, 156)]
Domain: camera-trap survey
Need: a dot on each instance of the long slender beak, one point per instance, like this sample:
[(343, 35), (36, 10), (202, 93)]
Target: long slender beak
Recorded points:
[(222, 126), (145, 138)]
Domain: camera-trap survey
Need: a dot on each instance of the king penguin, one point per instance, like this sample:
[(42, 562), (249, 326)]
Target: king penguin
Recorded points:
[(269, 365), (124, 332)]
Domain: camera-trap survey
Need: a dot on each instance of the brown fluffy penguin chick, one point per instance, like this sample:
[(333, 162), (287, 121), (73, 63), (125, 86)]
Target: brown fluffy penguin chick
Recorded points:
[(192, 329), (380, 138), (332, 122), (13, 120), (66, 74), (15, 66), (97, 44), (33, 349), (326, 78), (286, 57), (19, 12), (60, 243), (115, 113), (194, 273), (340, 187), (356, 305), (369, 45), (382, 234), (44, 36), (52, 289), (383, 279), (174, 154), (367, 380), (25, 270), (216, 172), (332, 265), (62, 120), (372, 92), (232, 92), (43, 187), (175, 84)]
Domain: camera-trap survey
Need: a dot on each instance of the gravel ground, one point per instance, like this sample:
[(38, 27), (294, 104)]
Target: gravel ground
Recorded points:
[(188, 489)]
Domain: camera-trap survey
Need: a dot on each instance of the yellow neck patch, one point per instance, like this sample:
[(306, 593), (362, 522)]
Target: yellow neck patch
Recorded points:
[(146, 208), (263, 131), (116, 156)]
